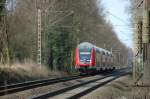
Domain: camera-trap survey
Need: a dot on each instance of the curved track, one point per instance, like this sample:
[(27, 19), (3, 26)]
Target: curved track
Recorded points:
[(79, 90)]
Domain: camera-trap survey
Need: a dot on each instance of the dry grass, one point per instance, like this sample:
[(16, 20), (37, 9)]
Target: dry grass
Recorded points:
[(28, 70)]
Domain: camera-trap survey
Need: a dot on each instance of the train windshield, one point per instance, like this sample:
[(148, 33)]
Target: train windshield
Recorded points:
[(85, 55)]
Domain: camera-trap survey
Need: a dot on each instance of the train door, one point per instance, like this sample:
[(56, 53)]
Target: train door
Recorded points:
[(97, 60), (103, 61)]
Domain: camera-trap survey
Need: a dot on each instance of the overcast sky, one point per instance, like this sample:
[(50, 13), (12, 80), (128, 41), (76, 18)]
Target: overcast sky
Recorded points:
[(116, 13)]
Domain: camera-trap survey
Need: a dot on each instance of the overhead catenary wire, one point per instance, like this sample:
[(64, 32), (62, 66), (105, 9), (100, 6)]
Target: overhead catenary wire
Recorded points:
[(71, 12), (118, 18), (125, 35), (56, 21)]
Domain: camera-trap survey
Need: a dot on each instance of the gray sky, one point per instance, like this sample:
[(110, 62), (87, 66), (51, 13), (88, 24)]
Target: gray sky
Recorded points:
[(116, 13)]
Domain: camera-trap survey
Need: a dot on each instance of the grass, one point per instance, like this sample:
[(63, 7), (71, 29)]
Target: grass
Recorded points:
[(28, 70)]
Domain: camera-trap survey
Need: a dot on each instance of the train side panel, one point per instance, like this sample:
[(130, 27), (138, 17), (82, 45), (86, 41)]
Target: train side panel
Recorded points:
[(93, 61), (104, 61), (98, 57), (77, 58)]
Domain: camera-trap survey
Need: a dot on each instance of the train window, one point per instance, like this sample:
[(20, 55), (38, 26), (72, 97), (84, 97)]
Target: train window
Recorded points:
[(107, 54), (103, 53), (97, 51), (85, 56)]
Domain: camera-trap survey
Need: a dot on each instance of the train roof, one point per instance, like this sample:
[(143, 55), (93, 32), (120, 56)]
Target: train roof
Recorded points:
[(85, 44), (103, 50), (89, 45)]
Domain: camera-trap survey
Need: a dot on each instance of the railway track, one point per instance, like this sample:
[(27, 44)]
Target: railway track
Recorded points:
[(94, 87), (79, 90), (13, 88)]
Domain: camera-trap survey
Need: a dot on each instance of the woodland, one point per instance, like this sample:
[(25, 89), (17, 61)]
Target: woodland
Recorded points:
[(65, 24)]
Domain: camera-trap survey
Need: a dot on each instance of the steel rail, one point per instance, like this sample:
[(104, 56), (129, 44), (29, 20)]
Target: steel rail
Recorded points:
[(13, 88), (52, 94), (60, 91), (79, 95)]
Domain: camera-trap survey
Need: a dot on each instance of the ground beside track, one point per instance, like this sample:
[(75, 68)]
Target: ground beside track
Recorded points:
[(44, 89), (117, 89)]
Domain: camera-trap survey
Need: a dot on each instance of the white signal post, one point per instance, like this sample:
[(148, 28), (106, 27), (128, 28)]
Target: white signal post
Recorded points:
[(39, 54)]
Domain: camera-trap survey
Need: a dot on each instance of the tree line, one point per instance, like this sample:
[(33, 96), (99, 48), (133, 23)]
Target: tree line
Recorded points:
[(65, 24)]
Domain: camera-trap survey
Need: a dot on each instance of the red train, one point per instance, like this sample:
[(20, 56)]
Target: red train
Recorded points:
[(89, 57)]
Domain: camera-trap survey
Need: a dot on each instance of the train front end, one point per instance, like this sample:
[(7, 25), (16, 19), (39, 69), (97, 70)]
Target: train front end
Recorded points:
[(85, 58)]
